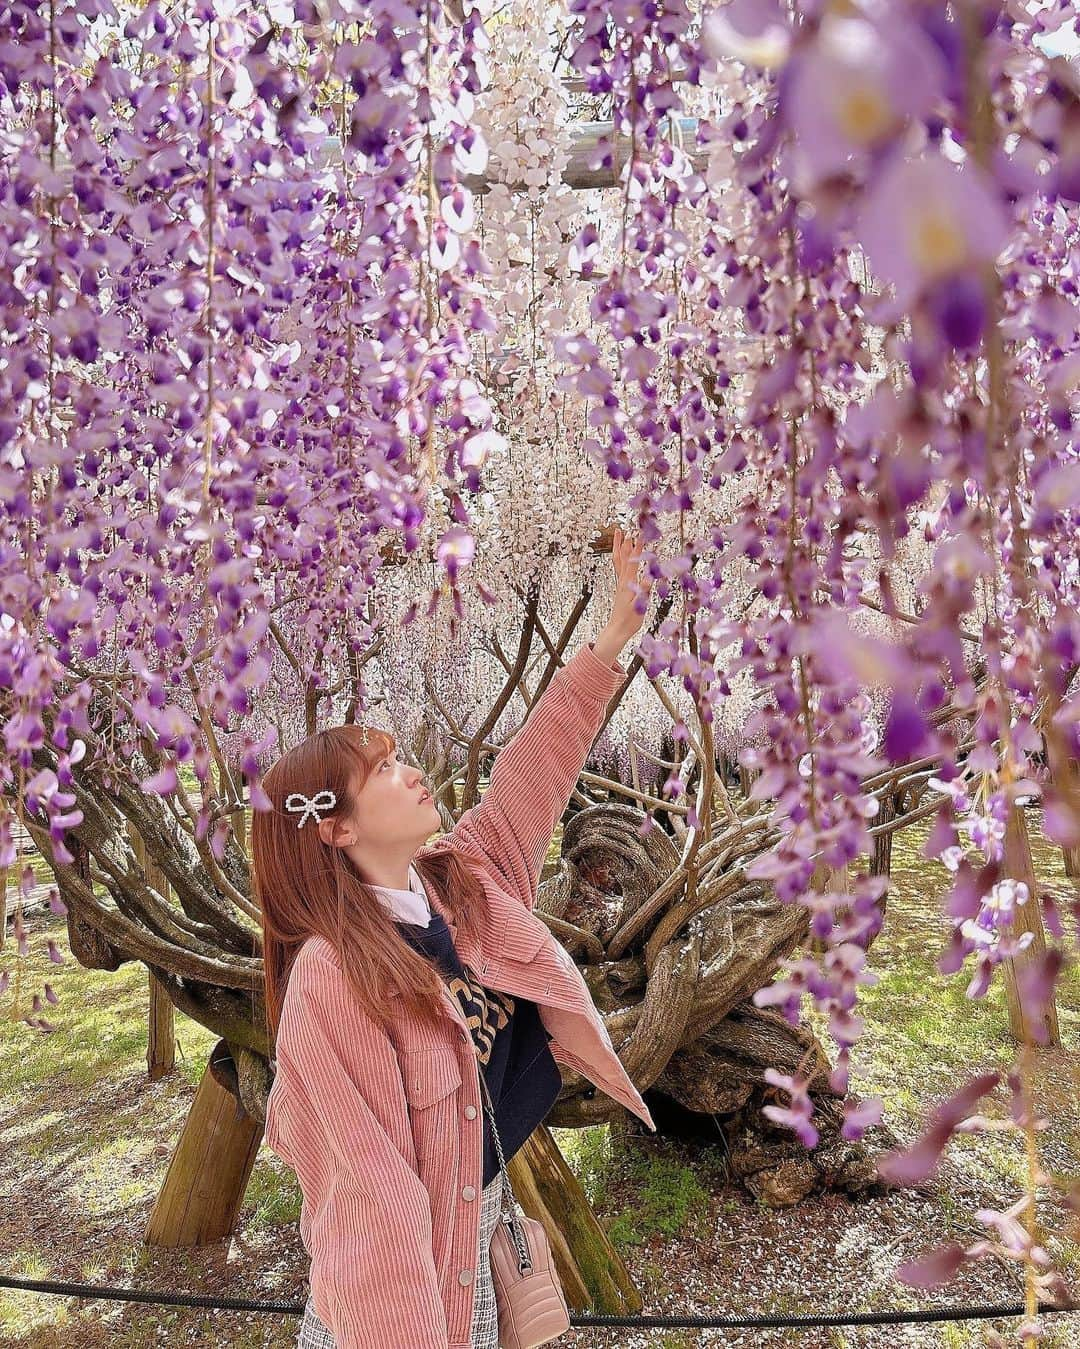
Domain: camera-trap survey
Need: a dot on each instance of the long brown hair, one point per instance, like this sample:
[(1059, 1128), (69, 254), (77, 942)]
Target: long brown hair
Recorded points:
[(305, 887)]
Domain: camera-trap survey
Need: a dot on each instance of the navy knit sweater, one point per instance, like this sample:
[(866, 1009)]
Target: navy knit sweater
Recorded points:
[(511, 1045)]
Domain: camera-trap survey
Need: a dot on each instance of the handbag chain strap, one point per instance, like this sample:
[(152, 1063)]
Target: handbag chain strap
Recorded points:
[(508, 1209)]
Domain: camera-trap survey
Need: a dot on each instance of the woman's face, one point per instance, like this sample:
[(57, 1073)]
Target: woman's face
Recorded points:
[(393, 810)]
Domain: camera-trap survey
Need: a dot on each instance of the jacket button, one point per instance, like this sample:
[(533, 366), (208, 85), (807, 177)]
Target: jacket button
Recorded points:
[(469, 1192), (470, 1112), (465, 1277)]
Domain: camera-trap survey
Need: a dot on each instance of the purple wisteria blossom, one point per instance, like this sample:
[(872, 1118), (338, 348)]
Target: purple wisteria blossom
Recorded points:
[(928, 223), (856, 87)]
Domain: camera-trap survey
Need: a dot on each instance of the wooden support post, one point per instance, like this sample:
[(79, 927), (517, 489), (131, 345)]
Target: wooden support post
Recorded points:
[(161, 1032), (239, 824), (161, 1022), (1065, 775), (205, 1183), (592, 1273), (881, 857), (837, 879), (20, 837), (581, 171), (1063, 766), (1019, 866)]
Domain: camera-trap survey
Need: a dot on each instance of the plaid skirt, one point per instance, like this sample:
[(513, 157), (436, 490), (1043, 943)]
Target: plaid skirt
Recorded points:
[(485, 1324)]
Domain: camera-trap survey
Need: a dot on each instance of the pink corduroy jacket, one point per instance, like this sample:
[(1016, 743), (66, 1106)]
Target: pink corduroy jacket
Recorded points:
[(384, 1127)]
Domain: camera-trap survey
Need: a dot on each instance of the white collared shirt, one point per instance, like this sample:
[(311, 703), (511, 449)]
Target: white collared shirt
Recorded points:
[(407, 906)]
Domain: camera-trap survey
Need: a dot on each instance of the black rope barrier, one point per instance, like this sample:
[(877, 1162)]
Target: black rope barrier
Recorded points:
[(597, 1321)]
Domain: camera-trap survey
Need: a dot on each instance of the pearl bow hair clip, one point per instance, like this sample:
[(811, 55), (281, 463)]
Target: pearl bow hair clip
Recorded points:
[(310, 805)]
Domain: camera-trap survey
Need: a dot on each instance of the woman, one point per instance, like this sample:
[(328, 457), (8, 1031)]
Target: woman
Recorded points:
[(394, 971)]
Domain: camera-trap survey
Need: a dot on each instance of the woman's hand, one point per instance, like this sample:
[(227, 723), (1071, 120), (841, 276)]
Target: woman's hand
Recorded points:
[(625, 620)]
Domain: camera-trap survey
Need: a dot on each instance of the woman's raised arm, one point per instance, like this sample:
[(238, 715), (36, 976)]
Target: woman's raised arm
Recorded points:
[(535, 772)]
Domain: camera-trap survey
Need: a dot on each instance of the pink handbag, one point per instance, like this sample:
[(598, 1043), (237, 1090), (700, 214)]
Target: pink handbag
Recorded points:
[(531, 1305)]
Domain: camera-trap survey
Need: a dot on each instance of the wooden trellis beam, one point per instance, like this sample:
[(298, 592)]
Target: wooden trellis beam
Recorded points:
[(579, 172), (393, 556)]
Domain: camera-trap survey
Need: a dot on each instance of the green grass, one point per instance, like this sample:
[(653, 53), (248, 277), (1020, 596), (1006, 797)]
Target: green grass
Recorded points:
[(923, 1034), (668, 1196), (77, 1110), (588, 1152), (273, 1196), (955, 1336), (100, 1029)]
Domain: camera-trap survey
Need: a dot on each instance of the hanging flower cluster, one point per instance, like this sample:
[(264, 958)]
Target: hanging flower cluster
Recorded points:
[(903, 167), (228, 368)]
